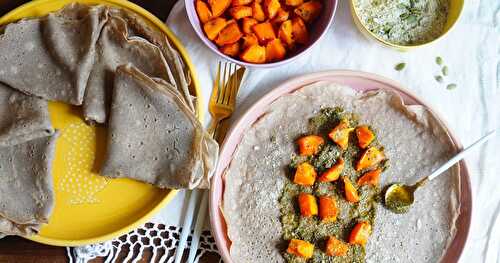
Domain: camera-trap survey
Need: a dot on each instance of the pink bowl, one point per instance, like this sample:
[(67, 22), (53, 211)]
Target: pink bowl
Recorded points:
[(360, 81), (320, 27)]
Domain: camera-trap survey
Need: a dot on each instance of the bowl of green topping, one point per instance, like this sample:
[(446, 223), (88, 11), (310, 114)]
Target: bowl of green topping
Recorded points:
[(406, 24)]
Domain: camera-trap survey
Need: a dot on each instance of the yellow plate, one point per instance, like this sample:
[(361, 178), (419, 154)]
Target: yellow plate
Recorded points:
[(89, 208)]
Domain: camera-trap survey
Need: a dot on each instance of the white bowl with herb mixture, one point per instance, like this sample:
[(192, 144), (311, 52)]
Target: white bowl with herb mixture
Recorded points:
[(406, 24)]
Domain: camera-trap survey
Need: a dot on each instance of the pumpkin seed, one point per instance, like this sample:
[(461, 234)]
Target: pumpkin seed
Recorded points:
[(439, 60), (438, 78), (445, 70), (451, 86), (400, 66)]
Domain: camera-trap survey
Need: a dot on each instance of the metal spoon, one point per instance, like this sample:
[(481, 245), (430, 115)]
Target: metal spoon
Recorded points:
[(399, 197)]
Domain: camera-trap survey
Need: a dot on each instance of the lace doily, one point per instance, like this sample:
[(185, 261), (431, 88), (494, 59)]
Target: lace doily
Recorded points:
[(155, 241)]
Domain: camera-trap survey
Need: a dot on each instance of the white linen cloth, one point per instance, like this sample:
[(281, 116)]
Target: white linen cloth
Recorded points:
[(470, 50)]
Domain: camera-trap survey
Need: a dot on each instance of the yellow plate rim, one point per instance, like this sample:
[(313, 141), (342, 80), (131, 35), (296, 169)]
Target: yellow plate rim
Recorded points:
[(200, 114)]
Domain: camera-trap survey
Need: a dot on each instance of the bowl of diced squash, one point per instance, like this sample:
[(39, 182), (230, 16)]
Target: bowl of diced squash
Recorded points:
[(260, 33)]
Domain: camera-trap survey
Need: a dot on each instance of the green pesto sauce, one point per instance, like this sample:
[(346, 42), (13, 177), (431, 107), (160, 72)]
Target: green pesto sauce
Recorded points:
[(398, 201), (313, 229)]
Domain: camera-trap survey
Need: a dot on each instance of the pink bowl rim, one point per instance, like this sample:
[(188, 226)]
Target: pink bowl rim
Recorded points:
[(194, 20), (217, 221)]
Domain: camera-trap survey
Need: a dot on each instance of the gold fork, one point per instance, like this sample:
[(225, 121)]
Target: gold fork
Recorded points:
[(223, 99)]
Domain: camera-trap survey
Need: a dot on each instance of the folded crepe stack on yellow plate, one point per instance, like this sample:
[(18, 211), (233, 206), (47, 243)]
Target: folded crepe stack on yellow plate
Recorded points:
[(125, 74)]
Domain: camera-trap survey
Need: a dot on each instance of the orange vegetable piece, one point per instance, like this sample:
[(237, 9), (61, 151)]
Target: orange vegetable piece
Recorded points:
[(280, 17), (219, 6), (264, 32), (310, 144), (214, 26), (230, 34), (365, 136), (240, 2), (333, 173), (351, 194), (308, 205), (371, 157), (231, 49), (305, 174), (249, 40), (239, 12), (204, 13), (299, 31), (300, 248), (340, 134), (294, 2), (327, 209), (272, 7), (247, 23), (258, 12), (275, 50), (360, 233), (309, 11), (254, 54), (370, 178), (285, 33), (335, 247)]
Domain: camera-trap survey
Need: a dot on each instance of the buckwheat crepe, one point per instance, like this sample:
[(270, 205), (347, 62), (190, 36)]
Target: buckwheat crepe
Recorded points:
[(153, 136), (415, 143), (22, 117), (26, 190)]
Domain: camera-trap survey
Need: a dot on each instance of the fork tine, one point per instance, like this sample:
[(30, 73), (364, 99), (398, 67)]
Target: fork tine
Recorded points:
[(234, 88), (228, 89), (220, 100), (215, 91)]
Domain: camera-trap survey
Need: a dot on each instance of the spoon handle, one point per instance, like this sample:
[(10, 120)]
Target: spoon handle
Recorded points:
[(460, 155)]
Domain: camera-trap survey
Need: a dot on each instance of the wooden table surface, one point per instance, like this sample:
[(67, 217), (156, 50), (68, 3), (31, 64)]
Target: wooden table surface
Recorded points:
[(19, 250)]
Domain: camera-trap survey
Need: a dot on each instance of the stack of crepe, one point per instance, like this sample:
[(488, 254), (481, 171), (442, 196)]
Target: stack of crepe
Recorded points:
[(125, 74)]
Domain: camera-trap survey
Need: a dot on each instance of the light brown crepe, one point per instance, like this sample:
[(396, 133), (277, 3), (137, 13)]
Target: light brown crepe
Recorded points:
[(154, 137), (26, 188), (415, 144), (22, 117)]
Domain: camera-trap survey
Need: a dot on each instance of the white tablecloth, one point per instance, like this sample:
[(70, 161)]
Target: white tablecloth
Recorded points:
[(471, 52)]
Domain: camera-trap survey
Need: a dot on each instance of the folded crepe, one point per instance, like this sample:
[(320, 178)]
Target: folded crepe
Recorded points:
[(22, 117), (26, 189), (154, 137), (116, 49), (50, 57)]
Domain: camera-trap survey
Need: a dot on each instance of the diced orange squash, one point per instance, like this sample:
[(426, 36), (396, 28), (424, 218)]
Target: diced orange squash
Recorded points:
[(204, 13), (360, 233), (340, 134), (230, 34), (333, 173), (300, 248), (309, 11), (285, 33), (240, 2), (370, 157), (272, 7), (239, 12), (249, 40), (280, 17), (258, 12), (370, 178), (293, 2), (247, 23), (231, 49), (365, 136), (327, 209), (335, 247), (214, 26), (254, 54), (218, 6), (275, 50), (299, 31), (307, 204), (351, 194), (310, 144), (264, 32), (305, 174)]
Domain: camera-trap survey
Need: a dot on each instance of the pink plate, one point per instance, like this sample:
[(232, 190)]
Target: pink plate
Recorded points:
[(360, 81)]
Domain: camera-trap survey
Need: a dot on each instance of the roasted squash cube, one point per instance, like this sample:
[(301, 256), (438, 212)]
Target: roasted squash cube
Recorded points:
[(229, 35), (239, 12), (293, 2), (285, 33), (300, 248), (247, 23), (272, 7), (360, 233), (254, 54), (351, 194), (249, 40), (275, 51), (264, 32), (203, 11), (305, 174), (335, 247), (327, 209), (240, 2), (309, 11), (299, 31), (370, 178), (231, 49), (333, 173), (340, 134), (365, 136), (370, 157), (258, 12), (307, 204), (214, 26), (219, 6), (280, 17), (310, 144)]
